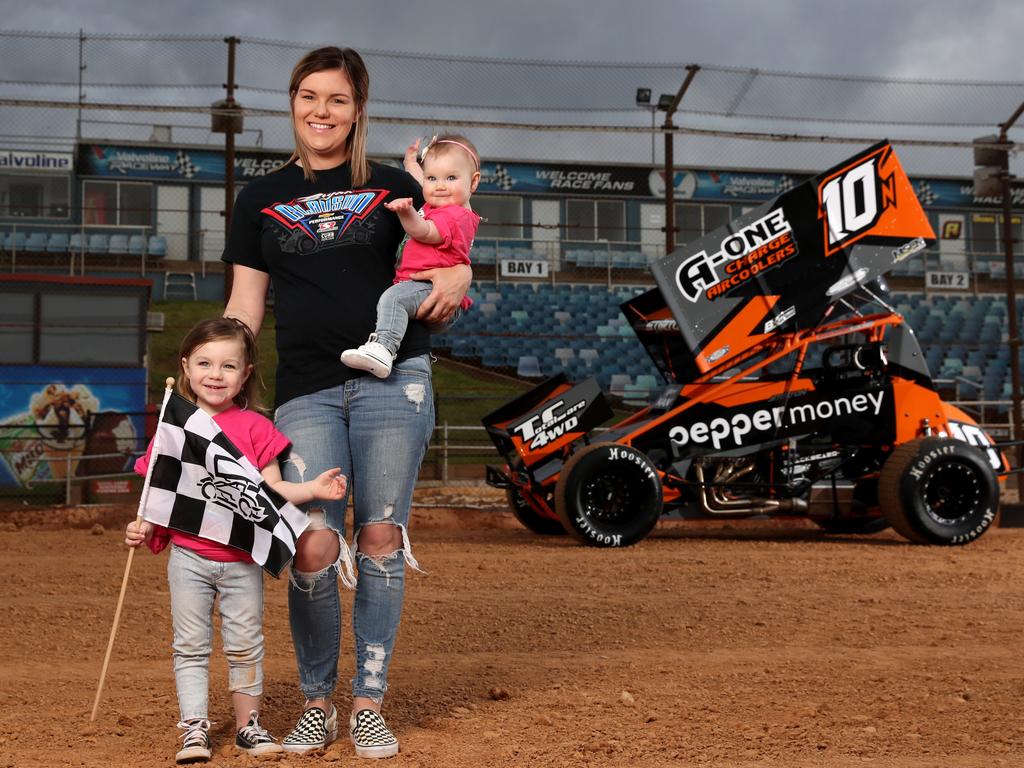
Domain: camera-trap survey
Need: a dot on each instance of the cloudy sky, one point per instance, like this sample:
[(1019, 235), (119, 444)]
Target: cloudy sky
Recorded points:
[(945, 39)]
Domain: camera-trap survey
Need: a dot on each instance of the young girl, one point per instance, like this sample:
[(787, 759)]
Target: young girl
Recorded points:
[(217, 361), (440, 238)]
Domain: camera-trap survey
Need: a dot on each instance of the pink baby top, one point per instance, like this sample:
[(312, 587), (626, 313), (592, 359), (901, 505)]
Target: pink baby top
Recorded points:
[(255, 436), (457, 227)]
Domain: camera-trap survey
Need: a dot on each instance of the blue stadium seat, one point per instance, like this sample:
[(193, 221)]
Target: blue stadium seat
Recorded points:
[(58, 243), (157, 246), (529, 366), (36, 242), (117, 245), (98, 243), (137, 245)]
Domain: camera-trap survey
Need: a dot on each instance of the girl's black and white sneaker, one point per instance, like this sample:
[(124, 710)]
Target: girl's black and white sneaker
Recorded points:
[(315, 730), (254, 739), (371, 735), (196, 748)]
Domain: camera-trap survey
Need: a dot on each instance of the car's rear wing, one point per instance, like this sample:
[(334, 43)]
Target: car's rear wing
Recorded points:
[(779, 267), (538, 424)]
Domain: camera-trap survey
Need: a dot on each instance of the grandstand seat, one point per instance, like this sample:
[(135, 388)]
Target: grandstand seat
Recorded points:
[(14, 241), (57, 243), (157, 246), (137, 245), (36, 242), (618, 382), (564, 355), (482, 254), (117, 245), (98, 243), (637, 260), (77, 242), (529, 366)]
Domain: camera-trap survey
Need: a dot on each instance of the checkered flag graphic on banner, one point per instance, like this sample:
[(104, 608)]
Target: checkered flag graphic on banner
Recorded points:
[(202, 484), (925, 194), (502, 178), (184, 165), (786, 183)]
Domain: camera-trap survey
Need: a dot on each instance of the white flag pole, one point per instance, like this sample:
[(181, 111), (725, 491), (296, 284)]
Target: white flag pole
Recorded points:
[(168, 384)]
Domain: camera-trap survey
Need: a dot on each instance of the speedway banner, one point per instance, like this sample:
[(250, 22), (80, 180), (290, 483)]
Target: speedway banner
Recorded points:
[(784, 264)]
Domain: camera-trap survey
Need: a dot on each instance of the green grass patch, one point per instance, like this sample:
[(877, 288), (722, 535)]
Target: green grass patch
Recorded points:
[(464, 395)]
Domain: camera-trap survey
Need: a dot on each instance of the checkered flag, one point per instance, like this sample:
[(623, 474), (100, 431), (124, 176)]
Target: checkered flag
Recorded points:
[(502, 178), (786, 183), (184, 165), (925, 194), (202, 484)]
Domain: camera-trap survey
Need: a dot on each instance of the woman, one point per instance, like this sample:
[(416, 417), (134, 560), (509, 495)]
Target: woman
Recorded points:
[(318, 231)]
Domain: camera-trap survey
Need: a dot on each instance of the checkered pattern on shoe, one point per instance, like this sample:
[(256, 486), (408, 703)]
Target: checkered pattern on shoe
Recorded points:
[(371, 735), (315, 730), (196, 746), (254, 739)]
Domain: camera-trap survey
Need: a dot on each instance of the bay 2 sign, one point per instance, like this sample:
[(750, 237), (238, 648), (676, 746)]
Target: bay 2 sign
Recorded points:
[(523, 268)]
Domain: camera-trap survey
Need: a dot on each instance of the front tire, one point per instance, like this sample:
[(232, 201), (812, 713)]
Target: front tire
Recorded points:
[(529, 517), (609, 495), (936, 490)]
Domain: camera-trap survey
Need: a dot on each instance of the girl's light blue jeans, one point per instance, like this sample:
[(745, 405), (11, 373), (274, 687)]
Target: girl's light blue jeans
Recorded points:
[(377, 431), (399, 303), (195, 583)]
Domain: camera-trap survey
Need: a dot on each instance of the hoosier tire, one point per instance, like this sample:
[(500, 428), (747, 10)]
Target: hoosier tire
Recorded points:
[(935, 490), (609, 495), (527, 515)]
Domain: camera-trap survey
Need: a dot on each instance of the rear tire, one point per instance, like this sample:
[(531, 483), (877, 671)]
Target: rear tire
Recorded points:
[(528, 516), (865, 497), (935, 490), (609, 495)]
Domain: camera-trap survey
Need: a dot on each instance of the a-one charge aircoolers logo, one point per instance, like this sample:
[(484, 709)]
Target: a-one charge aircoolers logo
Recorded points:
[(746, 428), (741, 255)]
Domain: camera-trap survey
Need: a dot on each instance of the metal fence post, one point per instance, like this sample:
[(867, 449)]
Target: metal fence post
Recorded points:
[(444, 454)]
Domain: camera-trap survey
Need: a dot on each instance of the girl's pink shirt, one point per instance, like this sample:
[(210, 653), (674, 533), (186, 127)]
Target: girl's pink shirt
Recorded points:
[(255, 436)]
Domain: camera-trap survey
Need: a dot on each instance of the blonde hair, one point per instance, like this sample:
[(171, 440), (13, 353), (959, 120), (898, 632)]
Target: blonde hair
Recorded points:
[(351, 63), (217, 329)]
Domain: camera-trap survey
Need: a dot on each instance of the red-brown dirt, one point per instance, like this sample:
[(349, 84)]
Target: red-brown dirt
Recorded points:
[(748, 644)]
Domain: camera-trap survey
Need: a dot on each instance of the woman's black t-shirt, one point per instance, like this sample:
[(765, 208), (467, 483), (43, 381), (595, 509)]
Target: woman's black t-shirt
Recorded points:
[(330, 253)]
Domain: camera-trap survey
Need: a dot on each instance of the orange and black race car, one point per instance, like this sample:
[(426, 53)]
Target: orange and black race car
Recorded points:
[(796, 388)]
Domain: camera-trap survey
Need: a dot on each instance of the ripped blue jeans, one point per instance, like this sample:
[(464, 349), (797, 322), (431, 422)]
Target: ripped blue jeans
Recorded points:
[(377, 431)]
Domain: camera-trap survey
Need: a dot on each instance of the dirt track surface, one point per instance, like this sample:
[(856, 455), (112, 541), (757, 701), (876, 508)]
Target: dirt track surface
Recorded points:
[(750, 644)]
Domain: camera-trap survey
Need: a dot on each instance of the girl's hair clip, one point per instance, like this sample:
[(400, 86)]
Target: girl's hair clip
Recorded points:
[(425, 144)]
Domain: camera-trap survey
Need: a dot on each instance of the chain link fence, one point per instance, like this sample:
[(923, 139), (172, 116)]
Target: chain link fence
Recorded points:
[(63, 93)]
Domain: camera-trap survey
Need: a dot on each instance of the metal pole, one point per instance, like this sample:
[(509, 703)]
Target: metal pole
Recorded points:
[(670, 172), (1011, 309), (670, 186), (81, 92), (229, 159)]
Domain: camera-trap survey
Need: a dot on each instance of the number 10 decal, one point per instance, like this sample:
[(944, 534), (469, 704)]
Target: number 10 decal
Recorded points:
[(852, 201)]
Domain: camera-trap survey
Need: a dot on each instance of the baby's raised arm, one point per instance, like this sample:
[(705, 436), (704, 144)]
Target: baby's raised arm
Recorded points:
[(412, 161), (414, 225)]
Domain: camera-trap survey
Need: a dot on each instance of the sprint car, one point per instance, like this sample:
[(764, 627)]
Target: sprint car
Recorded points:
[(795, 388)]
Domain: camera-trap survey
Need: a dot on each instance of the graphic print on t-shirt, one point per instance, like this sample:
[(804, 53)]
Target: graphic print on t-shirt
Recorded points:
[(325, 219)]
